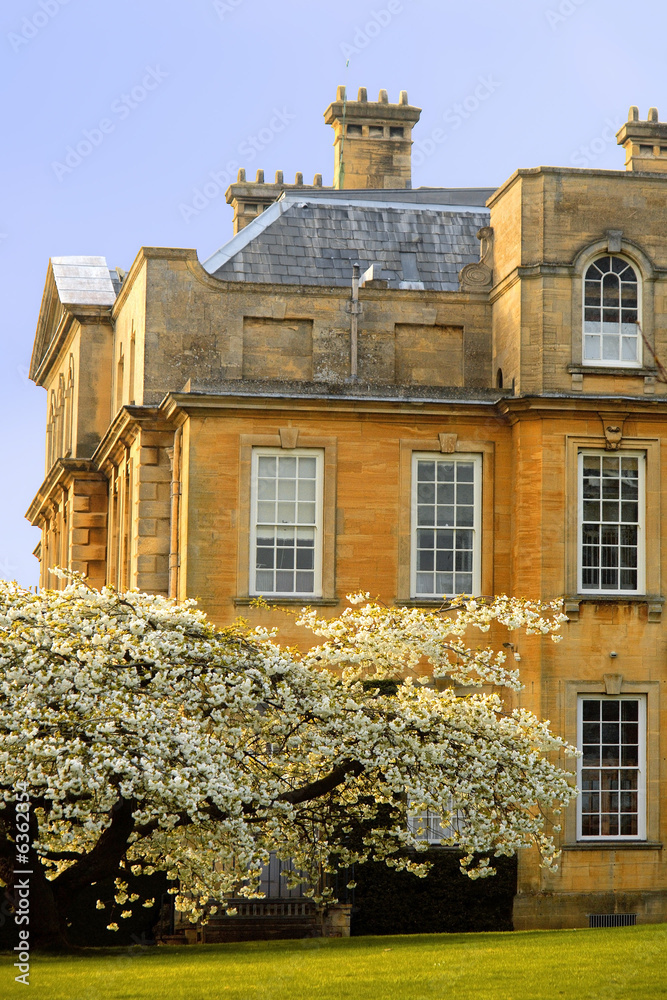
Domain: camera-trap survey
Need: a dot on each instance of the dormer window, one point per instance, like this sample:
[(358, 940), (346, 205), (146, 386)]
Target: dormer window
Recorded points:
[(611, 312)]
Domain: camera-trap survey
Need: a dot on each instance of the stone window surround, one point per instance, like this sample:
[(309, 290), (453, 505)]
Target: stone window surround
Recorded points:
[(615, 684), (445, 443), (288, 438), (615, 245), (574, 444)]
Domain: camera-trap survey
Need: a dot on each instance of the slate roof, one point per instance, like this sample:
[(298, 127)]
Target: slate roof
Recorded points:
[(83, 281), (307, 240)]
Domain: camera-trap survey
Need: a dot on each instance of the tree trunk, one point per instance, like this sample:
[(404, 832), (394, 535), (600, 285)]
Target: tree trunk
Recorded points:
[(30, 895), (48, 902)]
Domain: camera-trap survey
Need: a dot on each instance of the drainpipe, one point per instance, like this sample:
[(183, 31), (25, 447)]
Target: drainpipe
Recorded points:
[(174, 557), (355, 310)]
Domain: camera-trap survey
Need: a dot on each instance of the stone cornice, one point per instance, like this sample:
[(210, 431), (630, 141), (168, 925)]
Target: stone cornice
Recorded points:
[(122, 431), (176, 406), (517, 407), (60, 475), (626, 175)]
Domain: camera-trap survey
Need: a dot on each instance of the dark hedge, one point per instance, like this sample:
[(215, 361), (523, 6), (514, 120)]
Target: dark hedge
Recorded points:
[(88, 925), (391, 902)]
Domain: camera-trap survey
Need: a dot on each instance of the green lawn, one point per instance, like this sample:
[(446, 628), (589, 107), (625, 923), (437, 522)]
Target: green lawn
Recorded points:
[(621, 964)]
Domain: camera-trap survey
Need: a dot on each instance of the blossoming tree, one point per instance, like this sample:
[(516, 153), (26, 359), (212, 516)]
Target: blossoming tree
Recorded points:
[(147, 738)]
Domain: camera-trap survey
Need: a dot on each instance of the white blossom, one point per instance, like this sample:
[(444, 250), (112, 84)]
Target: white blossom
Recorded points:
[(215, 746)]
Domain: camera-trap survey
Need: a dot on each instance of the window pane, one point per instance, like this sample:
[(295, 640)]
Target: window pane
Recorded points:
[(591, 709), (444, 584), (264, 581), (628, 349), (287, 468), (426, 493), (591, 348), (425, 560), (287, 489), (445, 472), (266, 489), (306, 513), (445, 516), (305, 583), (286, 513), (464, 493), (446, 493), (444, 561), (264, 558), (630, 710), (307, 488), (305, 558), (266, 466), (307, 468), (266, 513)]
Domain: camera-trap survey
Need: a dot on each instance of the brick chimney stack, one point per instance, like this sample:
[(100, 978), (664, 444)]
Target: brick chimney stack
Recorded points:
[(645, 143), (372, 140)]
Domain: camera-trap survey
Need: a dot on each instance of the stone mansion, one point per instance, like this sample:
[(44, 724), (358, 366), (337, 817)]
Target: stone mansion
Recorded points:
[(415, 392)]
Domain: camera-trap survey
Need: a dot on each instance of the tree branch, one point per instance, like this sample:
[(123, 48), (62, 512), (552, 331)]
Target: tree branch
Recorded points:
[(316, 789)]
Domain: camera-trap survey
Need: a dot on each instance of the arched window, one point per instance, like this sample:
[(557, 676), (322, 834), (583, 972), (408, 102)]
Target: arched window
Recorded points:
[(51, 433), (69, 403), (611, 312)]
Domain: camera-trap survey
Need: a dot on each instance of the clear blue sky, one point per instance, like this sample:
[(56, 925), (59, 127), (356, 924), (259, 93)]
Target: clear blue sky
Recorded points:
[(502, 85)]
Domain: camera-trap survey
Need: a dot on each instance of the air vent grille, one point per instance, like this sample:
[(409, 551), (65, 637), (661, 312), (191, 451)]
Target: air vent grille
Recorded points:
[(612, 919)]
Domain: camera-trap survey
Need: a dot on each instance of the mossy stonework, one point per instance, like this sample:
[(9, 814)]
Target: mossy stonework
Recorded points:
[(510, 337)]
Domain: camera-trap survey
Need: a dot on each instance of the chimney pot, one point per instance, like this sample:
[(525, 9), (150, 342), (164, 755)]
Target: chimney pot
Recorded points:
[(259, 179), (240, 177), (403, 97), (382, 97), (363, 94), (279, 177), (633, 114), (298, 180), (340, 93), (653, 114), (317, 180)]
